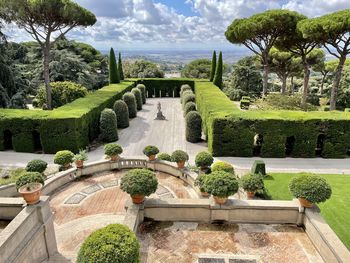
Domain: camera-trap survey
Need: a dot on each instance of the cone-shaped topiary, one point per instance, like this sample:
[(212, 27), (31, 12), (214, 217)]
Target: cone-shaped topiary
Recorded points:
[(120, 67), (138, 97), (130, 100), (213, 67), (218, 73), (113, 69), (190, 106), (142, 88), (121, 111), (108, 126), (193, 127)]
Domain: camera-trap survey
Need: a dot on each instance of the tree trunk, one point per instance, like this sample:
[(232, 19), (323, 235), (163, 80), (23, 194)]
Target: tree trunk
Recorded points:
[(306, 84), (322, 83), (265, 78), (336, 82), (284, 84), (46, 58), (292, 85)]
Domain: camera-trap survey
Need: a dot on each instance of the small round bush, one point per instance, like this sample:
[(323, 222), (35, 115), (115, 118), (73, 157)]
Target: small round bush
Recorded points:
[(222, 166), (179, 156), (190, 106), (112, 149), (36, 165), (184, 88), (122, 112), (164, 157), (221, 184), (63, 158), (108, 126), (139, 182), (114, 243), (193, 127), (184, 94), (28, 178), (130, 100), (204, 159), (138, 97), (187, 98), (142, 88), (313, 188), (200, 182), (150, 150), (252, 182)]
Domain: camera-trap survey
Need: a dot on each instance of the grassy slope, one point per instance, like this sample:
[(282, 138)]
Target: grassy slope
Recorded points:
[(336, 210)]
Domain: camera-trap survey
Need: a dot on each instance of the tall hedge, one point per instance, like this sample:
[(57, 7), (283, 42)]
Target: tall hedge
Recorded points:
[(108, 126), (138, 97), (130, 100), (165, 87), (122, 112), (120, 67), (213, 67), (113, 68), (193, 127), (218, 72), (142, 88)]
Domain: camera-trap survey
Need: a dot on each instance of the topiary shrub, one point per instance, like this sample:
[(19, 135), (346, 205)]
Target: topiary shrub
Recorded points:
[(114, 243), (221, 184), (193, 127), (164, 157), (190, 106), (258, 167), (187, 98), (150, 150), (28, 178), (122, 112), (108, 126), (244, 104), (184, 88), (130, 100), (200, 182), (222, 166), (138, 97), (142, 88), (179, 156), (184, 94), (63, 158), (36, 165), (313, 188), (204, 159), (252, 183), (139, 182), (112, 149)]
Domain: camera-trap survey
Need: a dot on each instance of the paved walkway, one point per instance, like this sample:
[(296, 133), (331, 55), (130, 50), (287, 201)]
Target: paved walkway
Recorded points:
[(169, 135)]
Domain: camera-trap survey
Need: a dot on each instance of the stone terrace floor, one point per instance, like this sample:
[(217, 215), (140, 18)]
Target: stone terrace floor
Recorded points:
[(177, 242)]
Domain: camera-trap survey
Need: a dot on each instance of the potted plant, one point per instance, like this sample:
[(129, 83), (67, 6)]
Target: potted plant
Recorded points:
[(221, 185), (251, 183), (64, 158), (80, 158), (139, 183), (204, 160), (112, 150), (164, 157), (179, 157), (200, 183), (29, 185), (310, 189), (36, 165), (223, 166), (151, 151)]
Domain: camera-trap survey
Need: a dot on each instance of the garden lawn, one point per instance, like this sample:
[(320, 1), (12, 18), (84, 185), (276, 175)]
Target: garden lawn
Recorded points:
[(336, 210), (14, 175)]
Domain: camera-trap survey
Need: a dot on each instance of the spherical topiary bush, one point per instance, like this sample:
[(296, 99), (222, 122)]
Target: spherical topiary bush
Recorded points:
[(184, 88), (193, 127), (312, 188), (122, 112), (187, 98), (142, 88), (63, 158), (179, 157), (114, 243), (164, 157), (221, 184), (130, 100), (112, 150), (28, 178), (151, 151), (36, 166), (252, 182), (204, 159), (108, 126), (138, 97), (222, 166), (184, 94), (190, 106)]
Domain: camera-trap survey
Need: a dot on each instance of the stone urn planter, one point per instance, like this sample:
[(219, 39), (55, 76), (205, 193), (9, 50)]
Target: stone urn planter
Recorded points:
[(220, 200), (138, 199), (305, 203), (80, 158), (31, 192)]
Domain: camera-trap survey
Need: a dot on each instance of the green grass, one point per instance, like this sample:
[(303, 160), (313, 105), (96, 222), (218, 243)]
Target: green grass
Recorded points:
[(14, 174), (336, 211)]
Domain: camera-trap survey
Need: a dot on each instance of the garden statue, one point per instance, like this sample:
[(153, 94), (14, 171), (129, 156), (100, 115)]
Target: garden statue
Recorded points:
[(160, 115)]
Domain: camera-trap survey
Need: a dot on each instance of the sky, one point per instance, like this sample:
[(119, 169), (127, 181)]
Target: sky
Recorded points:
[(175, 24)]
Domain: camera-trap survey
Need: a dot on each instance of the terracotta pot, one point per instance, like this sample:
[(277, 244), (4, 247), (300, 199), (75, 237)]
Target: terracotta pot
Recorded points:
[(220, 200), (305, 203), (250, 195), (152, 157), (138, 199), (79, 163), (205, 194), (114, 158), (181, 165), (31, 196)]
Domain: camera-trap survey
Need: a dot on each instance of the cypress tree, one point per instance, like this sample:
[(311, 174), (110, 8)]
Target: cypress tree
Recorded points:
[(218, 73), (213, 66), (113, 69), (120, 67)]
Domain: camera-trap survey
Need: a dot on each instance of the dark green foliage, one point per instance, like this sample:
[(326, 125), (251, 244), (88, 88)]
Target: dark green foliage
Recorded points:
[(204, 159), (122, 112), (187, 98), (113, 68), (138, 97), (120, 67), (18, 101), (244, 104), (139, 182), (130, 100), (37, 165), (179, 156), (200, 182), (142, 88), (221, 184), (184, 94), (326, 108), (142, 69), (108, 126), (190, 106), (164, 157), (28, 178), (112, 149), (213, 67), (218, 72), (313, 188), (197, 69), (114, 243), (164, 87), (222, 166), (252, 182), (258, 167), (246, 98), (150, 150), (193, 127), (63, 158)]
